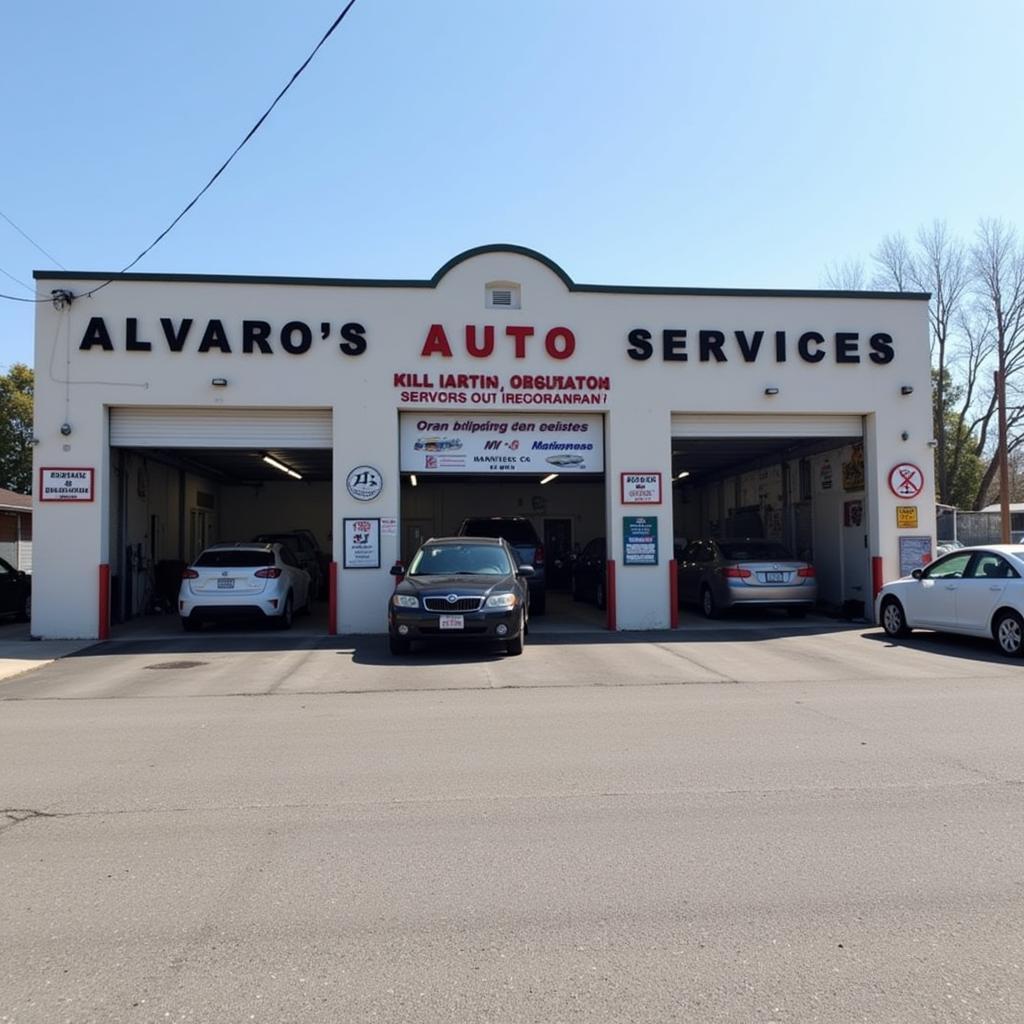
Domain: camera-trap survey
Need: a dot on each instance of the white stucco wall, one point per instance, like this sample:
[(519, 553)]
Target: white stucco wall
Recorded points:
[(78, 386)]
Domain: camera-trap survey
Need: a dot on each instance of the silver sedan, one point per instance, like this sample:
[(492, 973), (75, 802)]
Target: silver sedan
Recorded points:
[(720, 574)]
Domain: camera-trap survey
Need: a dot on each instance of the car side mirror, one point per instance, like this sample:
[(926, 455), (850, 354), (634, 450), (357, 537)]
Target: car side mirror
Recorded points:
[(917, 573), (397, 569), (525, 570)]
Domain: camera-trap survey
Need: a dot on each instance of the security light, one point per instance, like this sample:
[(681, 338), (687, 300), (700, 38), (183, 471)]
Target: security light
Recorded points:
[(547, 479)]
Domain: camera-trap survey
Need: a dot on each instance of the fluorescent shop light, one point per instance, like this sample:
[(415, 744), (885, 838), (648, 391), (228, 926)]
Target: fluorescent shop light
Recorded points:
[(549, 478), (281, 466)]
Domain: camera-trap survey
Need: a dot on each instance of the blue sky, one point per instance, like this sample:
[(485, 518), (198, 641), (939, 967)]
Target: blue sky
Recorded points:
[(670, 143)]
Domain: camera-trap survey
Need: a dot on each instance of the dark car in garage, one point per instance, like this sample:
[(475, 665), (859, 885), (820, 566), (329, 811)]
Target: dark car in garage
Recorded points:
[(589, 573), (15, 592), (523, 540)]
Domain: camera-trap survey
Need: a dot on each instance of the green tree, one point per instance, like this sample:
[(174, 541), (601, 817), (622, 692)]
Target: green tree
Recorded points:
[(16, 390), (957, 462)]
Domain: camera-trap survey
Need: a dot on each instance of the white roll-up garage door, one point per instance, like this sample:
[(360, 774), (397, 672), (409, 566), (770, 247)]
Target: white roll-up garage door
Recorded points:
[(220, 428), (765, 425)]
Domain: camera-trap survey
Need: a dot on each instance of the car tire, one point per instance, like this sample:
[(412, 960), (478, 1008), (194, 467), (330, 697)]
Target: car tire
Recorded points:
[(398, 645), (514, 644), (708, 604), (538, 602), (894, 619), (600, 597), (25, 615), (1008, 631), (284, 620), (190, 624)]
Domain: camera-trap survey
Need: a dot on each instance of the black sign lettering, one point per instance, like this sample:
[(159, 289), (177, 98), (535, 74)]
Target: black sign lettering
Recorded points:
[(640, 347), (131, 337), (254, 335), (711, 343), (673, 345), (355, 339), (175, 338), (96, 333), (288, 342), (214, 337)]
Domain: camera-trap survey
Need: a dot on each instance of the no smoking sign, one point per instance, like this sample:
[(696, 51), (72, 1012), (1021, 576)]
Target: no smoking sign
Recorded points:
[(906, 480)]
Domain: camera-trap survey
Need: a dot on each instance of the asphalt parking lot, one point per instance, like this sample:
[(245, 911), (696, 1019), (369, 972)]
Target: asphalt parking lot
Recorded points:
[(748, 821)]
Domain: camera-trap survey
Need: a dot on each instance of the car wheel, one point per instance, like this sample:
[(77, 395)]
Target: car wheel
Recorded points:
[(26, 609), (398, 645), (600, 597), (284, 620), (514, 645), (190, 623), (894, 621), (708, 605), (1009, 634), (538, 602)]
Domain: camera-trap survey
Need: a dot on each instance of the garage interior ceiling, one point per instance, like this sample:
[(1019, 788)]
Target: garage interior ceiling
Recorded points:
[(713, 458), (242, 466), (706, 459)]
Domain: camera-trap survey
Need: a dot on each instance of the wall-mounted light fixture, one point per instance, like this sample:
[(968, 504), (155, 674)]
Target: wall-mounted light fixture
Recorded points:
[(771, 391), (905, 435), (933, 443), (219, 382), (548, 478), (65, 429), (907, 389), (281, 466), (413, 480), (682, 476)]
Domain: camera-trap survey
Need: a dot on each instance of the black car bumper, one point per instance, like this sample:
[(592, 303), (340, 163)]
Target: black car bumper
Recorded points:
[(418, 624)]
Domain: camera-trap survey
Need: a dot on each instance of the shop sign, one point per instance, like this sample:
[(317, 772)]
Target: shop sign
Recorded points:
[(640, 540), (906, 480), (915, 553), (71, 484), (500, 443), (364, 483), (906, 517), (640, 488), (362, 544)]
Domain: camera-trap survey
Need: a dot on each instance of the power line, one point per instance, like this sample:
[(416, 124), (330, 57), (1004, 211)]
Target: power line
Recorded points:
[(16, 280), (53, 259), (220, 170)]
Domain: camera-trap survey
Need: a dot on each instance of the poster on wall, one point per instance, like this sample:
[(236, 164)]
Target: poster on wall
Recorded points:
[(915, 553), (640, 540), (362, 544), (853, 513), (853, 471), (71, 484), (500, 443), (640, 488)]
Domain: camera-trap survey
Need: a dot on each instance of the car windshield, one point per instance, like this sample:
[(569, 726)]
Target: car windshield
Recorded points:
[(753, 549), (234, 558), (460, 559), (514, 532)]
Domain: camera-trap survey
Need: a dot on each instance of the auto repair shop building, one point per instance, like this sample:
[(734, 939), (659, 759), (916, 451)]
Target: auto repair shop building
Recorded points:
[(173, 411)]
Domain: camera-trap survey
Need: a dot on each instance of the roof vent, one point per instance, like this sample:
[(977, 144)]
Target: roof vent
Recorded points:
[(503, 295)]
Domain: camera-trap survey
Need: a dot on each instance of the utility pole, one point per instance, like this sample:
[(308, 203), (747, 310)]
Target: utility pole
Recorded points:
[(1004, 469)]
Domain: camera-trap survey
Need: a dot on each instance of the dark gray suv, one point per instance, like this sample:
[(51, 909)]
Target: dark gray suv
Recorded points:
[(523, 540)]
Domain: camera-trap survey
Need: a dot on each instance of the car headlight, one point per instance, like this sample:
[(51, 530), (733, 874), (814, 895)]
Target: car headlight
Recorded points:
[(501, 601), (405, 601)]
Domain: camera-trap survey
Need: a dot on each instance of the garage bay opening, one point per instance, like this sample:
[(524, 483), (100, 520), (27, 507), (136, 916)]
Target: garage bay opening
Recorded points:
[(535, 479), (769, 516), (185, 480)]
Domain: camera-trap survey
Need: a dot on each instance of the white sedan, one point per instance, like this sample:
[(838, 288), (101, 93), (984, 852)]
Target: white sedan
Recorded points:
[(226, 581), (977, 591)]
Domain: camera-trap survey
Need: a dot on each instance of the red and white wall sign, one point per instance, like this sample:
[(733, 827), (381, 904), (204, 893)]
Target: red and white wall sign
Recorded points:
[(641, 488)]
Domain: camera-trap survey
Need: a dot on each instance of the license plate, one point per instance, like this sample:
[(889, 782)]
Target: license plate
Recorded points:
[(453, 622), (775, 577), (225, 584)]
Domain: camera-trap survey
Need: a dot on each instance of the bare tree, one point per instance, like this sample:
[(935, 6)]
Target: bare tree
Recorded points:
[(847, 276), (936, 263), (997, 262)]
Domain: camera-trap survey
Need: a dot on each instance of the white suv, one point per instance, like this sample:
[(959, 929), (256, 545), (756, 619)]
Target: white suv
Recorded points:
[(261, 581)]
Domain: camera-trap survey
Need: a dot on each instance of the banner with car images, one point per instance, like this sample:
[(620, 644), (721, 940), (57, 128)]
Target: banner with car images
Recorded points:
[(501, 443)]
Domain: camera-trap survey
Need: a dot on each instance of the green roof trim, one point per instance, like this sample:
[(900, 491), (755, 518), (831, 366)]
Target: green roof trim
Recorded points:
[(519, 250)]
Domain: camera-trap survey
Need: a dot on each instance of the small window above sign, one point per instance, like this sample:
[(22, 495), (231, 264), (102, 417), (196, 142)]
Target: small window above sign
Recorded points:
[(503, 295)]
